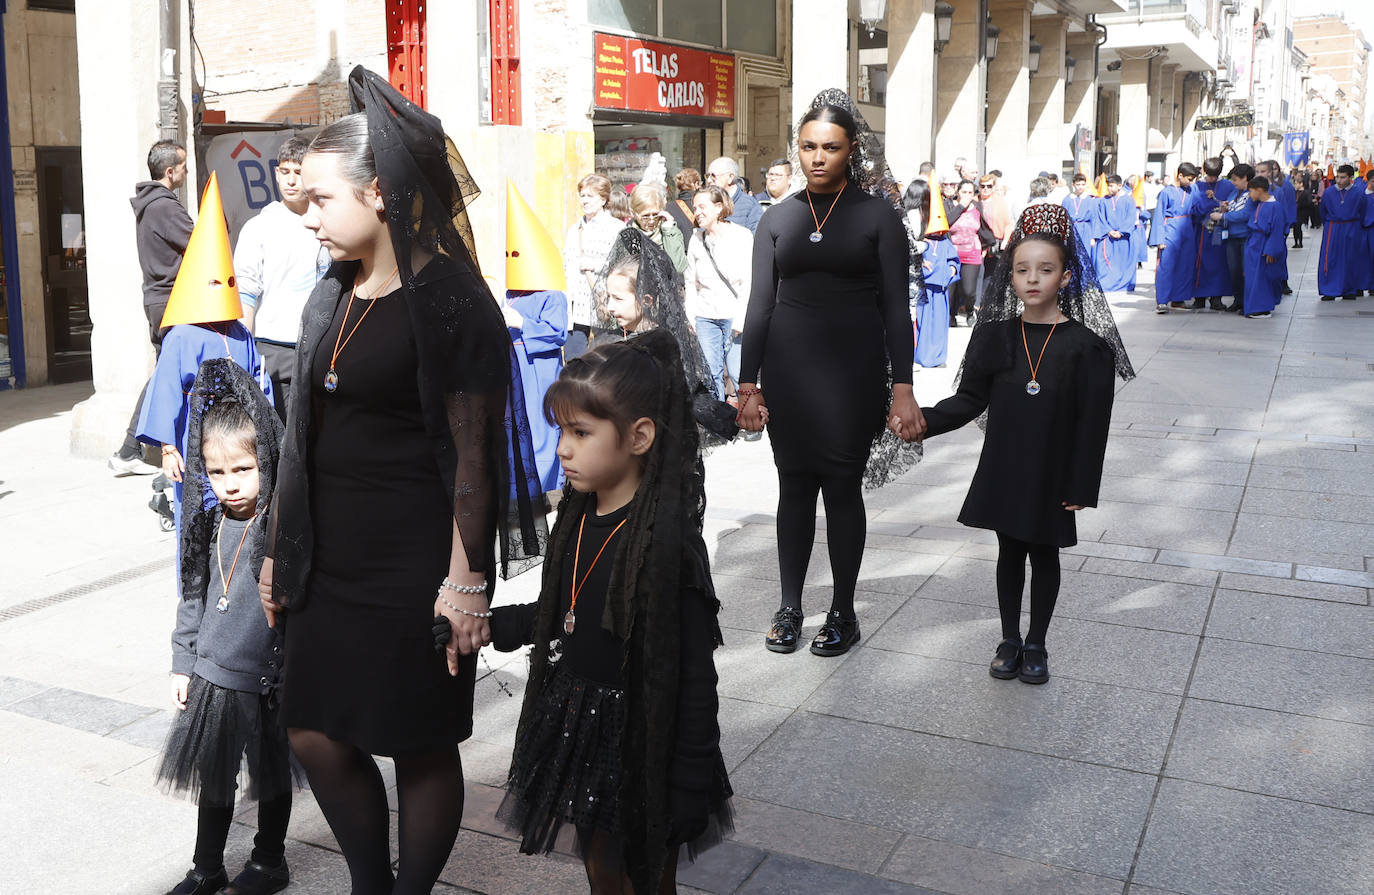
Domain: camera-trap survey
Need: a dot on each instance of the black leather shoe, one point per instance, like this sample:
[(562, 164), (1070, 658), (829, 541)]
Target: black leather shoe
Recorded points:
[(259, 879), (836, 636), (1035, 664), (197, 883), (1215, 304), (1328, 298), (1007, 662), (785, 633)]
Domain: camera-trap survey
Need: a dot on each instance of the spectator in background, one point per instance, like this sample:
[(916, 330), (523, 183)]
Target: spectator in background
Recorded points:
[(997, 209), (687, 182), (927, 172), (1058, 190), (647, 204), (717, 280), (1039, 193), (619, 206), (584, 253), (972, 236), (724, 173), (777, 183)]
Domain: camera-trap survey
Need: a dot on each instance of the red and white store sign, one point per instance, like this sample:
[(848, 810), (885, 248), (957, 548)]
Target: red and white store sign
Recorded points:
[(648, 76)]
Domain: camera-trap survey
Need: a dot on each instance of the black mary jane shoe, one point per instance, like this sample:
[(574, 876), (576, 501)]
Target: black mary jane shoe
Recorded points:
[(1035, 664), (259, 879), (785, 634), (836, 636), (1007, 663), (197, 883)]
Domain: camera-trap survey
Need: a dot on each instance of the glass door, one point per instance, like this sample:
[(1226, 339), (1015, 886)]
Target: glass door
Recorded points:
[(62, 222)]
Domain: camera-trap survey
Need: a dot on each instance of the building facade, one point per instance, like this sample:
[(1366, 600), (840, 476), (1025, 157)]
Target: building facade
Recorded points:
[(1338, 51)]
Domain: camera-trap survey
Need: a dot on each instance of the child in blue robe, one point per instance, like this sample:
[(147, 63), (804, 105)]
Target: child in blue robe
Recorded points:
[(538, 323), (940, 268), (1173, 229), (1116, 252), (1266, 250), (1211, 276), (1343, 212), (1082, 208)]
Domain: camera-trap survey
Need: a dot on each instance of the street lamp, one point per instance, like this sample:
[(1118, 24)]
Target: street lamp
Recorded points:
[(1035, 49), (991, 34), (944, 24), (871, 13), (1070, 64)]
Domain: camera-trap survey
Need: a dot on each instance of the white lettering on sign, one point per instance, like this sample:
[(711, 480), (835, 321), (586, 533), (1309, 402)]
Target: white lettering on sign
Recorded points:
[(650, 62), (680, 94)]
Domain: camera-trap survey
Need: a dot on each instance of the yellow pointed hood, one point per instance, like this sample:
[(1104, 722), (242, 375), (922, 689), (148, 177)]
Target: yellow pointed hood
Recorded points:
[(533, 262), (205, 290)]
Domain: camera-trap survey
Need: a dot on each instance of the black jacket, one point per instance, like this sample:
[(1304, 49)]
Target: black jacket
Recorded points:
[(163, 228)]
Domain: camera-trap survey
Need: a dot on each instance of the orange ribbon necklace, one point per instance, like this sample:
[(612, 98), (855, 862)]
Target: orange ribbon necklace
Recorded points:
[(1033, 387), (816, 234), (222, 604), (570, 620), (331, 379)]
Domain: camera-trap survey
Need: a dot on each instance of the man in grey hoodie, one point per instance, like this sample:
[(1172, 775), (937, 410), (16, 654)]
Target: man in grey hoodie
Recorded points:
[(163, 228)]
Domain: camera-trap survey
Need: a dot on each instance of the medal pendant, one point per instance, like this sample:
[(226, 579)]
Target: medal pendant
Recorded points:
[(223, 604), (331, 381), (569, 622), (1032, 387), (555, 651), (817, 237)]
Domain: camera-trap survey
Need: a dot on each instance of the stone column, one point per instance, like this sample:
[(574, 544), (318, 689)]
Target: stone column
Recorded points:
[(1009, 94), (1132, 129), (959, 100), (1047, 140), (910, 93), (820, 53), (1080, 97), (119, 114)]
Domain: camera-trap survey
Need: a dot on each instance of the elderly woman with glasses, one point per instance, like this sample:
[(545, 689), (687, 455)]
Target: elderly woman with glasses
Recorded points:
[(647, 215)]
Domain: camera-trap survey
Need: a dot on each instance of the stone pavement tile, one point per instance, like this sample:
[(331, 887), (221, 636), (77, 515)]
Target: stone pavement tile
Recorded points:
[(1114, 655), (1156, 605), (484, 762), (13, 689), (480, 803), (1337, 688), (721, 870), (1311, 480), (1275, 753), (1285, 534), (1146, 450), (150, 731), (783, 875), (959, 870), (1313, 456), (494, 866), (748, 604), (1293, 622), (1346, 577), (808, 834), (744, 724), (1291, 587), (1180, 469), (1214, 563), (1112, 551), (81, 711), (749, 672), (1150, 571), (1086, 817), (1207, 840), (1297, 366), (1168, 492), (1164, 526), (1267, 553), (1068, 719), (1309, 505)]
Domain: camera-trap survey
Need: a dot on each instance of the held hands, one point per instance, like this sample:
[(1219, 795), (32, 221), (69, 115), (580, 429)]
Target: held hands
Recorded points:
[(1073, 507), (466, 634), (172, 465), (270, 607), (905, 419), (181, 684), (753, 413)]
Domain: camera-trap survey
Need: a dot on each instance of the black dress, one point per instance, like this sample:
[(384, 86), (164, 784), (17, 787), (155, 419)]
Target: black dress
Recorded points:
[(1040, 451), (824, 319), (361, 665)]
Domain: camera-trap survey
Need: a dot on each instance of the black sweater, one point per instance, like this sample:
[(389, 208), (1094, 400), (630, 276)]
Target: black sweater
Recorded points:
[(163, 229)]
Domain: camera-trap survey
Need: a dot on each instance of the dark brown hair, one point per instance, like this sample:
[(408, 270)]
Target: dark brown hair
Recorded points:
[(614, 381), (227, 422)]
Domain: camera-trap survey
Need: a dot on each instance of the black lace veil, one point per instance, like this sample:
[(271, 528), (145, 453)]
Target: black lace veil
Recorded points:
[(220, 380), (889, 456), (661, 295)]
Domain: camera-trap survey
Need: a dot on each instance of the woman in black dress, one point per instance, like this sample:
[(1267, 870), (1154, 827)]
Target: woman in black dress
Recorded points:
[(829, 328), (399, 467)]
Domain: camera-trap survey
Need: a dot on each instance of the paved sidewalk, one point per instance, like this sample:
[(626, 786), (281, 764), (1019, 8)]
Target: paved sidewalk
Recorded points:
[(1209, 729)]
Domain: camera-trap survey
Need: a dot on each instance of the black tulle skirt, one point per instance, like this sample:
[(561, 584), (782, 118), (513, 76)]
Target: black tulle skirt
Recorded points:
[(219, 732), (566, 769)]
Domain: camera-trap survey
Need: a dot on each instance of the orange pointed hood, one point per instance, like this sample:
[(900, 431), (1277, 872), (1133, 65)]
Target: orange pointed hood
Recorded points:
[(205, 290), (1138, 192), (533, 262), (1100, 185), (939, 221)]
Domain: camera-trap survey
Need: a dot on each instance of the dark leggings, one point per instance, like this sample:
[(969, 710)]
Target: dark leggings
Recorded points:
[(1011, 582), (212, 831), (1297, 235), (966, 290), (845, 530), (352, 795), (605, 866)]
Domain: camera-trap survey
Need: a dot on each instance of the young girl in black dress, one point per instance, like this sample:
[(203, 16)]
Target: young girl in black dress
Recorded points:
[(226, 661), (1040, 363), (618, 735)]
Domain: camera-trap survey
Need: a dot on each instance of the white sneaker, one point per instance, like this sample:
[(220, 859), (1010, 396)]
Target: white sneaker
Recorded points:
[(121, 466)]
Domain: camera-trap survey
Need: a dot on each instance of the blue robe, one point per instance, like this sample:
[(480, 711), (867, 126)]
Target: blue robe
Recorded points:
[(163, 418), (1268, 236), (1140, 237), (1288, 201), (1115, 257), (1368, 255), (940, 268), (1083, 210), (539, 349), (1211, 276), (1340, 270), (1177, 262)]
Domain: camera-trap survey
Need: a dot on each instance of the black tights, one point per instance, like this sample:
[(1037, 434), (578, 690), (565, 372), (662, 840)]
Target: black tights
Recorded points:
[(269, 845), (605, 864), (350, 791), (1011, 581), (845, 530)]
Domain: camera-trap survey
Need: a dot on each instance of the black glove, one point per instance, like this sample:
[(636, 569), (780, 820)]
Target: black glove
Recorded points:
[(442, 632), (689, 809)]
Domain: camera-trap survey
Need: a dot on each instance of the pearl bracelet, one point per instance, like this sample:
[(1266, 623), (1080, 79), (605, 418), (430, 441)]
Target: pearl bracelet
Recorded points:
[(464, 588), (461, 611)]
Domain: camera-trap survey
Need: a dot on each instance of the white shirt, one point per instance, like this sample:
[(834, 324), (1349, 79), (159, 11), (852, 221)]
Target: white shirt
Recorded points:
[(277, 263), (1059, 194), (708, 296), (584, 254)]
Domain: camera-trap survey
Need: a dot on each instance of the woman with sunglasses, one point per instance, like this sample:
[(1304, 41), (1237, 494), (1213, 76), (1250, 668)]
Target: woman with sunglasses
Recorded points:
[(972, 235)]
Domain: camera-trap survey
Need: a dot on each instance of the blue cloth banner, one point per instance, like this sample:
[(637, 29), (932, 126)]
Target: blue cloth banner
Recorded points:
[(1296, 148)]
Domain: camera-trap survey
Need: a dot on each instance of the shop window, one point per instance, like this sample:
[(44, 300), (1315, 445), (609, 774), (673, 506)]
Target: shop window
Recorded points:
[(639, 16), (692, 23), (752, 27)]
